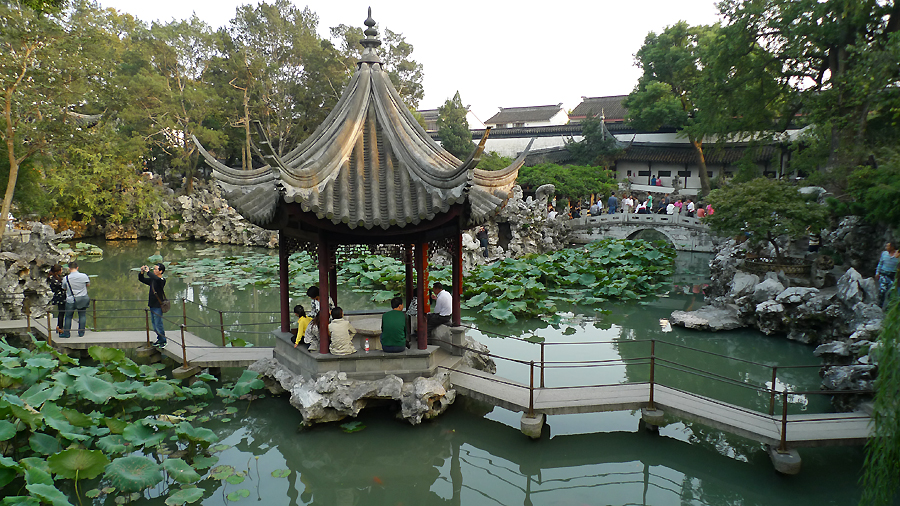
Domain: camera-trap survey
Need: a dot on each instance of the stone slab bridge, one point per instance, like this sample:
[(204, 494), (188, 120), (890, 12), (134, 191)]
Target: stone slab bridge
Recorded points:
[(686, 234)]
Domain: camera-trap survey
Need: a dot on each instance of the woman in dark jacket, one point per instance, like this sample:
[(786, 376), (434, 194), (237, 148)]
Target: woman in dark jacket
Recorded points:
[(59, 295)]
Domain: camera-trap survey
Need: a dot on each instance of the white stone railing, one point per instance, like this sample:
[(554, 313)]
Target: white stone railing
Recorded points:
[(663, 220)]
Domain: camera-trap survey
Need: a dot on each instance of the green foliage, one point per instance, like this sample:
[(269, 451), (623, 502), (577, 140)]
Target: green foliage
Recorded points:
[(876, 191), (95, 422), (493, 161), (453, 128), (881, 476), (572, 181), (597, 148), (765, 209)]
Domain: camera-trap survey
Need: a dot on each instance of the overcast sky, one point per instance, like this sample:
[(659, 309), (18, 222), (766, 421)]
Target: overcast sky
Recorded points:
[(496, 53)]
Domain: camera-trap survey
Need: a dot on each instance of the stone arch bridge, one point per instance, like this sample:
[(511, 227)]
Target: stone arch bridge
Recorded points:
[(686, 234)]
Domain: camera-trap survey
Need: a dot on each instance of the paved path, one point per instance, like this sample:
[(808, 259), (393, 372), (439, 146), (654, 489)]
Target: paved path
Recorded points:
[(804, 430), (200, 352)]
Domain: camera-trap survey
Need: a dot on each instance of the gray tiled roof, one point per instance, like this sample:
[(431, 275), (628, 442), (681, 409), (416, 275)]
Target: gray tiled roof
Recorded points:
[(611, 107), (369, 164), (524, 114)]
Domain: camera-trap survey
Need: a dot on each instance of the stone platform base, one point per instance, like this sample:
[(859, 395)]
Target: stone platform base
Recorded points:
[(363, 365)]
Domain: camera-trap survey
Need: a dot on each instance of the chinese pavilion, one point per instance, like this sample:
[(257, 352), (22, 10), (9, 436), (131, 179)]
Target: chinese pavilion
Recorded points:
[(368, 180)]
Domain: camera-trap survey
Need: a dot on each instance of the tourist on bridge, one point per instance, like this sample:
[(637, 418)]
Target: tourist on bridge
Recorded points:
[(690, 208), (157, 295), (628, 204), (54, 279), (701, 211), (76, 285), (440, 314), (393, 328), (670, 209), (342, 332), (595, 208), (885, 272), (612, 204)]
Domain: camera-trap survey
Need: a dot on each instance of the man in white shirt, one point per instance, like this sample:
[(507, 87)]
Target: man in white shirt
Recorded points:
[(690, 208), (440, 313), (76, 285), (670, 209)]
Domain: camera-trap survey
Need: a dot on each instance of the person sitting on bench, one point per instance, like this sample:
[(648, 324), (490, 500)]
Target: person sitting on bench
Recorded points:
[(393, 328), (440, 314)]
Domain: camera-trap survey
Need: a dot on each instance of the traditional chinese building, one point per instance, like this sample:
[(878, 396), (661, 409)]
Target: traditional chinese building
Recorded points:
[(368, 180)]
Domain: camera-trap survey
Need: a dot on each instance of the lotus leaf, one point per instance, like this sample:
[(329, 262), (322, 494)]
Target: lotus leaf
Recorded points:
[(7, 476), (95, 389), (157, 391), (237, 495), (205, 462), (28, 416), (20, 500), (83, 371), (281, 473), (41, 363), (133, 473), (93, 493), (113, 443), (7, 430), (115, 425), (78, 463), (35, 463), (36, 475), (43, 444), (180, 471), (40, 393), (103, 354), (248, 381), (48, 494), (235, 479), (201, 435), (221, 472), (351, 427), (184, 496), (140, 434)]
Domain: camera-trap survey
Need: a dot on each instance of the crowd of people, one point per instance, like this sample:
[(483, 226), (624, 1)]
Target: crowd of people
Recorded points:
[(630, 203), (397, 325)]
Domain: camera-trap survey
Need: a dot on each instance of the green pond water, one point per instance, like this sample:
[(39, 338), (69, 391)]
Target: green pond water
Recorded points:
[(475, 454)]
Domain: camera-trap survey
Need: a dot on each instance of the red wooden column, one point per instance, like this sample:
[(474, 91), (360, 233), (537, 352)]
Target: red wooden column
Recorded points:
[(283, 282), (421, 259), (324, 268), (456, 318), (332, 284), (408, 263)]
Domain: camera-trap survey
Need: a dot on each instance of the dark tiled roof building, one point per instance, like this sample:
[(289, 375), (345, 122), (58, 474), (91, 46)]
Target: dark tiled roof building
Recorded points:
[(528, 116), (610, 108)]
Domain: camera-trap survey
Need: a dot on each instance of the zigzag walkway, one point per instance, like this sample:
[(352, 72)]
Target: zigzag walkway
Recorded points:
[(198, 351), (806, 430)]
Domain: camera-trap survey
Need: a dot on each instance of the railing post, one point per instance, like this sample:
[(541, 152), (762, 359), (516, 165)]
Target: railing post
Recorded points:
[(28, 319), (49, 330), (183, 349), (531, 393), (650, 404), (222, 326), (147, 323), (542, 365), (782, 448), (772, 397), (183, 312), (94, 305)]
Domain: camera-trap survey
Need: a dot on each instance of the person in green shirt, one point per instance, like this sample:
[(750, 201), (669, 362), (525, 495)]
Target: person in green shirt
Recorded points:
[(393, 328)]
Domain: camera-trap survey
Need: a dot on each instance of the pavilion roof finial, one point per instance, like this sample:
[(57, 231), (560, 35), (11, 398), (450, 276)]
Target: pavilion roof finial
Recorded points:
[(371, 42)]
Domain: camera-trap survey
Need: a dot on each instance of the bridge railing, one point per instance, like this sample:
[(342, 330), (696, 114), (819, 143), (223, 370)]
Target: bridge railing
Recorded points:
[(656, 362), (679, 220)]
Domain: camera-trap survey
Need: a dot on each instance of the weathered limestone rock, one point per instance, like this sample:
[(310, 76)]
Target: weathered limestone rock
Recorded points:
[(851, 377), (708, 318), (767, 289), (849, 291), (477, 357), (834, 348), (25, 259), (743, 284), (796, 295), (332, 396), (770, 318)]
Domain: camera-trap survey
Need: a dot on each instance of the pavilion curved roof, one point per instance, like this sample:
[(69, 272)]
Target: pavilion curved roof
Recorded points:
[(369, 164)]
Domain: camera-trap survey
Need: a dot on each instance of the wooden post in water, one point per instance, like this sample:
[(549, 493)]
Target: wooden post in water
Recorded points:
[(650, 405), (183, 312), (782, 448), (94, 303), (147, 323), (222, 326), (49, 331), (542, 364), (183, 349), (531, 391)]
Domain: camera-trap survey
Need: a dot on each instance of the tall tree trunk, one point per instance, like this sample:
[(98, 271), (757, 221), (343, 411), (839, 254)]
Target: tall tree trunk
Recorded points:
[(701, 162), (11, 185), (248, 158)]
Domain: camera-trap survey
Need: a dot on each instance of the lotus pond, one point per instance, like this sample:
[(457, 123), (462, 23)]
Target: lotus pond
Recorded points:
[(227, 443)]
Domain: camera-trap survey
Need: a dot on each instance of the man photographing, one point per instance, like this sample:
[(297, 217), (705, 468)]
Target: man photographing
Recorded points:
[(157, 285)]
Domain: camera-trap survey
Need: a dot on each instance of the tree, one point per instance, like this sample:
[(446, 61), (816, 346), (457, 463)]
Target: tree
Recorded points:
[(46, 70), (571, 181), (453, 128), (765, 209), (881, 474), (598, 147), (672, 80), (493, 161), (835, 62)]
